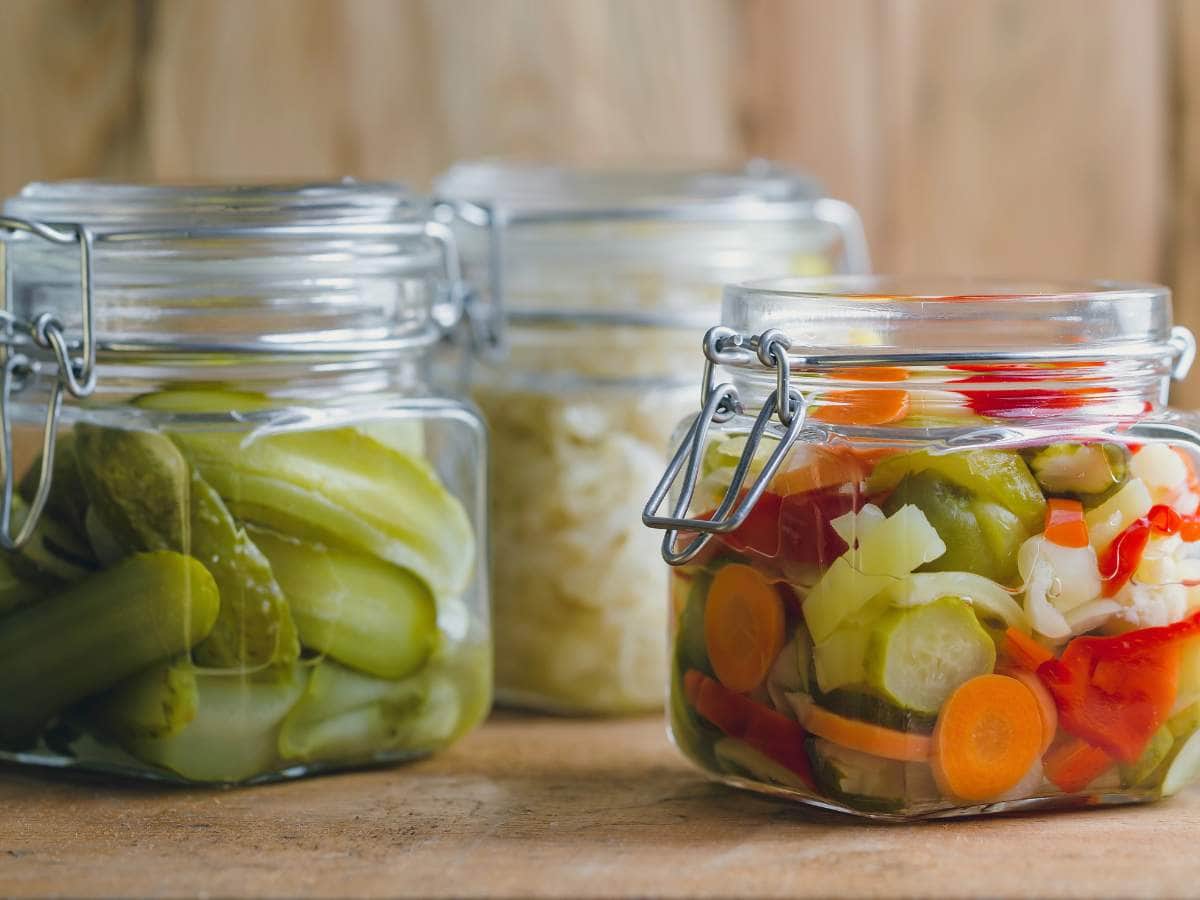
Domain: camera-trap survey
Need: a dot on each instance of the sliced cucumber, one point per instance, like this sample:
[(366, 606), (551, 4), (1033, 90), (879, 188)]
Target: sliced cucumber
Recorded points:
[(869, 783), (1079, 470), (916, 657), (1184, 766), (689, 635), (866, 706), (1141, 772), (736, 758)]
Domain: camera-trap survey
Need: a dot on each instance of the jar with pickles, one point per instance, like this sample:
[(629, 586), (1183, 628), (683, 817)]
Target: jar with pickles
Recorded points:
[(936, 548), (242, 539), (594, 284)]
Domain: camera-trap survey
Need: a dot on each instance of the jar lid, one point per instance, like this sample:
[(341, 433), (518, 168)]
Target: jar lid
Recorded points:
[(342, 267), (640, 247)]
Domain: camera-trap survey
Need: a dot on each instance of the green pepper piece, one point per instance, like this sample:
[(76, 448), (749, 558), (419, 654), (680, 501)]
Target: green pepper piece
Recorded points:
[(997, 475), (948, 509), (144, 497), (364, 612), (98, 632)]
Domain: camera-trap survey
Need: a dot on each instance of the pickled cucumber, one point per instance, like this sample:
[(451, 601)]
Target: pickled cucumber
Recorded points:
[(16, 591), (235, 731), (363, 612), (1145, 770), (143, 496), (98, 632), (1083, 471), (692, 650), (53, 552), (869, 783), (997, 475), (344, 714), (737, 758), (155, 703), (948, 509), (917, 656), (341, 488), (66, 501)]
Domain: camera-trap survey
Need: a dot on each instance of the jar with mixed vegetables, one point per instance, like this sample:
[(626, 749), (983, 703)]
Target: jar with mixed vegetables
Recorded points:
[(960, 572), (247, 548)]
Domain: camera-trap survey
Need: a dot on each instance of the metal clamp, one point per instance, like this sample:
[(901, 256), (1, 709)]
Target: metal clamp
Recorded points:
[(720, 403), (76, 375)]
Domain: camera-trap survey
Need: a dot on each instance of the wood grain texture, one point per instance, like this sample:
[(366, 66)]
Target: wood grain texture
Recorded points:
[(71, 102), (1182, 269), (545, 807)]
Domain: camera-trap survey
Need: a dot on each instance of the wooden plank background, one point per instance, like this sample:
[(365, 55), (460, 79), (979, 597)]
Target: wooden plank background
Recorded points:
[(984, 136)]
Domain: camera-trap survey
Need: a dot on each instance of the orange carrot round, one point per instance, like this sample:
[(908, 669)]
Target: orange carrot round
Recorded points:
[(865, 737), (988, 735), (743, 626), (872, 406), (819, 468), (1046, 705)]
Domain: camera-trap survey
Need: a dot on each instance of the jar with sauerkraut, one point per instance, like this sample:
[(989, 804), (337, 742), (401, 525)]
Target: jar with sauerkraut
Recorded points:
[(241, 538), (936, 548), (598, 284)]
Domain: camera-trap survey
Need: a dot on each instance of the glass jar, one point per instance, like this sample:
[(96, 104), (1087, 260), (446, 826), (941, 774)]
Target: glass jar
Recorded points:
[(598, 282), (937, 548), (248, 547)]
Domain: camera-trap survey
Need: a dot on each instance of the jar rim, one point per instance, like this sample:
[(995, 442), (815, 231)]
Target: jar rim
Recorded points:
[(881, 314)]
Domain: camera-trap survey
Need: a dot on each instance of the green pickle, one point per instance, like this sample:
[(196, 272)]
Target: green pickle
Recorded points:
[(225, 606)]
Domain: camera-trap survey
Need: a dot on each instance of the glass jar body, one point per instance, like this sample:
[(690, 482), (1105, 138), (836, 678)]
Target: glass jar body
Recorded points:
[(231, 587), (957, 616)]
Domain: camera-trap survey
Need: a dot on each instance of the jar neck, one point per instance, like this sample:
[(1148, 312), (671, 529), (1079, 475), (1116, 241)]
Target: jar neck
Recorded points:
[(1104, 392)]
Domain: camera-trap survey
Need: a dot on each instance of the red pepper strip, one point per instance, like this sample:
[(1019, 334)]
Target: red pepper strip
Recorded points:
[(1123, 555), (770, 733), (1164, 520), (1074, 764), (1065, 525), (1115, 692), (793, 529)]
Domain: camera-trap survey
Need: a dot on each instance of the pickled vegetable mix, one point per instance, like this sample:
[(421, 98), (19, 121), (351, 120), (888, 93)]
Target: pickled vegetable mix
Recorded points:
[(981, 596), (207, 583)]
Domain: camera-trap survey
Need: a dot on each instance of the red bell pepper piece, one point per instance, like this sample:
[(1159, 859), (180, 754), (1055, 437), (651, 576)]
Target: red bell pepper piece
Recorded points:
[(1115, 692), (1164, 520), (770, 733), (794, 529), (1123, 555)]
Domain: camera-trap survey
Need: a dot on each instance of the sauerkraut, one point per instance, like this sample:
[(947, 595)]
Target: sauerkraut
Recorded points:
[(579, 584)]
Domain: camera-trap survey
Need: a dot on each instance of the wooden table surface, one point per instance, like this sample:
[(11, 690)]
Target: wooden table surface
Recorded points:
[(530, 806)]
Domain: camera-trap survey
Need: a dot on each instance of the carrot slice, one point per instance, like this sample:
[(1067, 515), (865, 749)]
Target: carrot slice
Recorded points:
[(1023, 651), (1046, 705), (871, 373), (1065, 524), (988, 735), (863, 407), (743, 626), (820, 468), (865, 737), (1074, 764)]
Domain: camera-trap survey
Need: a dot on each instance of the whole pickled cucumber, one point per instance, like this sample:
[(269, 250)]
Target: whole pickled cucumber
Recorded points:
[(139, 483), (67, 501), (366, 613), (155, 703), (53, 553), (143, 496), (97, 633)]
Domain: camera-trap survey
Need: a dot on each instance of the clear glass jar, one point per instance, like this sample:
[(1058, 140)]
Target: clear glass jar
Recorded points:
[(937, 548), (249, 545), (599, 282)]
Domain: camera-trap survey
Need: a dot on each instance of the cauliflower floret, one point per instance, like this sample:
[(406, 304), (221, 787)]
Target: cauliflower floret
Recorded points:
[(1057, 581), (1166, 475), (1151, 605)]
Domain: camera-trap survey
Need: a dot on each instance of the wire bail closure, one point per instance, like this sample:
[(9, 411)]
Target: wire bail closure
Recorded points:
[(76, 375), (720, 403)]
